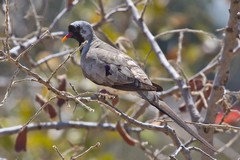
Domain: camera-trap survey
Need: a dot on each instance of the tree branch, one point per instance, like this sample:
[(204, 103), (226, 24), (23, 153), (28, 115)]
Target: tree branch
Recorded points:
[(178, 79), (221, 77)]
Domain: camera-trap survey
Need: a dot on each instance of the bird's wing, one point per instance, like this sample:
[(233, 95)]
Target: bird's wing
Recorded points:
[(113, 68)]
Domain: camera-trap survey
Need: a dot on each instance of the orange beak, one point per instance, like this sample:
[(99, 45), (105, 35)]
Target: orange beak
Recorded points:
[(69, 35)]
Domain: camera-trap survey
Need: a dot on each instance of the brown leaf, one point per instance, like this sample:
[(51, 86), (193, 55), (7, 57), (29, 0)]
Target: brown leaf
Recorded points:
[(126, 137), (40, 100), (48, 108), (60, 102), (21, 140), (115, 100), (196, 84), (62, 81)]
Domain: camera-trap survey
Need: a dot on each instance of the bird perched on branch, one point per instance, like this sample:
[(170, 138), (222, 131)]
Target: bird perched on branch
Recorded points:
[(108, 66)]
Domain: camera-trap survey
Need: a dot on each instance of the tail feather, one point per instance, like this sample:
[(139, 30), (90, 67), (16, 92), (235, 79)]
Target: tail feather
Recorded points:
[(154, 100)]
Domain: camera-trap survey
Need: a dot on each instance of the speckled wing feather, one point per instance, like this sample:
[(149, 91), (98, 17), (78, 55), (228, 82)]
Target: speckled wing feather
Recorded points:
[(105, 65), (115, 69)]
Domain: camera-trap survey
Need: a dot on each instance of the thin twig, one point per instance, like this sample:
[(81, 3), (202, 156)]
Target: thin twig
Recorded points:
[(51, 56), (187, 30), (69, 56), (178, 79), (59, 153), (57, 18), (7, 26), (38, 24), (9, 88), (85, 152), (39, 111), (100, 3), (28, 42), (144, 9), (32, 45), (229, 143), (180, 43), (60, 14), (201, 151)]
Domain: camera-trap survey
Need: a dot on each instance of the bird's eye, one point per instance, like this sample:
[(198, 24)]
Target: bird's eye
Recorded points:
[(71, 28), (78, 29)]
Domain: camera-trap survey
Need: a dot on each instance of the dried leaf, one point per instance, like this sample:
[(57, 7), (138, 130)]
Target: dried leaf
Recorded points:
[(115, 100), (126, 137), (62, 81), (40, 100), (21, 141), (196, 84), (48, 108)]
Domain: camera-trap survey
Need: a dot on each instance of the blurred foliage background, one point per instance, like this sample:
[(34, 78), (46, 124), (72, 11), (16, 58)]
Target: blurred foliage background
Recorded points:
[(160, 16)]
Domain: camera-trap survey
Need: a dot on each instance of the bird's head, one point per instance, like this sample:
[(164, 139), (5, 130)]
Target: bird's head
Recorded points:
[(79, 30)]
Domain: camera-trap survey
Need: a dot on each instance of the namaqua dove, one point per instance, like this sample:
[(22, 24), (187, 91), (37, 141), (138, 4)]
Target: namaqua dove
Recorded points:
[(108, 66)]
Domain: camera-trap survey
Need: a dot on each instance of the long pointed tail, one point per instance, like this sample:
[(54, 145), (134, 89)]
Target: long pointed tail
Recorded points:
[(153, 99)]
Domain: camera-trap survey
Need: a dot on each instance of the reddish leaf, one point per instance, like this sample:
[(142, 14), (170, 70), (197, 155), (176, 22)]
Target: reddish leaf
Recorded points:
[(61, 87), (21, 141), (62, 81), (60, 102), (196, 84), (40, 100), (115, 100), (48, 108), (231, 118), (126, 137)]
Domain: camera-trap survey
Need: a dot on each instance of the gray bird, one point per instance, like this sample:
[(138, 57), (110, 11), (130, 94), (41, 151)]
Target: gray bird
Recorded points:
[(108, 66)]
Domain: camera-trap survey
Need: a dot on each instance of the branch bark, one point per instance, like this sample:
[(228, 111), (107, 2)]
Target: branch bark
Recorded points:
[(195, 116), (222, 74)]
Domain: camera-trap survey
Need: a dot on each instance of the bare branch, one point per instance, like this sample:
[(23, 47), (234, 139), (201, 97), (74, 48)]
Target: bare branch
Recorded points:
[(178, 79), (61, 125), (51, 56), (187, 30), (17, 49), (233, 140), (144, 9), (7, 17), (85, 152), (59, 153), (180, 43), (59, 16), (222, 74), (9, 88), (36, 16), (69, 56)]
